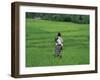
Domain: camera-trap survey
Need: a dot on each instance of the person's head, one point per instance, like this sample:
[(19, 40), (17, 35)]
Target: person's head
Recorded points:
[(59, 34)]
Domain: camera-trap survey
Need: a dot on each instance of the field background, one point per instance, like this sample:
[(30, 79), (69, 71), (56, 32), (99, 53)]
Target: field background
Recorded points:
[(40, 43)]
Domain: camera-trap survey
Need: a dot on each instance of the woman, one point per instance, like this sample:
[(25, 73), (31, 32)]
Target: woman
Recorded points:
[(59, 45)]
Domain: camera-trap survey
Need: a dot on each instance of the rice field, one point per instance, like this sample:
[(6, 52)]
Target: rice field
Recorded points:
[(40, 43)]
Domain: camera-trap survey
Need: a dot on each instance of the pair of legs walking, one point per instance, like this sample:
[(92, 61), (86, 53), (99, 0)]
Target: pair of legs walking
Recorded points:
[(58, 51)]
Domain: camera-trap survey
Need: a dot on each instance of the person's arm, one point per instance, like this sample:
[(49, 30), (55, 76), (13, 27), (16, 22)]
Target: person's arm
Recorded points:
[(61, 44), (61, 41)]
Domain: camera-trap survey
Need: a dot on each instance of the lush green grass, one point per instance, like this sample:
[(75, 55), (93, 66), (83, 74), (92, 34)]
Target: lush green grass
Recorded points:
[(40, 44)]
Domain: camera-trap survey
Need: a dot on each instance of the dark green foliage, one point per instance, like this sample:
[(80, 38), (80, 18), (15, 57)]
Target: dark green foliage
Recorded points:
[(81, 19)]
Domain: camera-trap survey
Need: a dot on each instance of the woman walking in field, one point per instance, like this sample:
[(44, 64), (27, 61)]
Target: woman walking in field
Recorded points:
[(59, 45)]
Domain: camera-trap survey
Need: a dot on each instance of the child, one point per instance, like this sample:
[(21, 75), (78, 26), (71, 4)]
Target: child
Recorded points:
[(59, 45)]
